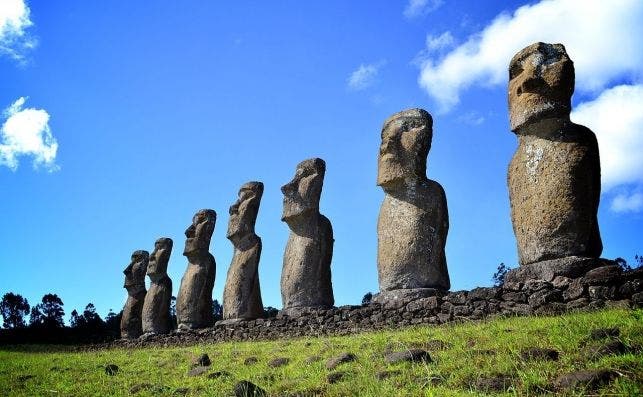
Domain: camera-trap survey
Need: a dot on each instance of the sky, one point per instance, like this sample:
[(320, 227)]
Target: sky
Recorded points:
[(120, 120)]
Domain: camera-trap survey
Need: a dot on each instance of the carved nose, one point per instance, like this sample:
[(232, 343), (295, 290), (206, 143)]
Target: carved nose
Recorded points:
[(531, 84), (288, 188), (189, 232), (233, 209)]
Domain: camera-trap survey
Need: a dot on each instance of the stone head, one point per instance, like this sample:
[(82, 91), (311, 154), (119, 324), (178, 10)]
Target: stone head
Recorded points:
[(302, 193), (541, 84), (135, 272), (406, 140), (199, 233), (160, 257), (243, 213)]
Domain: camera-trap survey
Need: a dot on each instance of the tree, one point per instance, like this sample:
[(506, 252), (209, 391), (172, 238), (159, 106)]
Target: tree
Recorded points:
[(36, 319), (173, 322), (368, 297), (13, 308), (638, 261), (92, 319), (113, 321), (217, 310), (75, 321), (499, 276), (269, 312), (52, 311), (622, 264)]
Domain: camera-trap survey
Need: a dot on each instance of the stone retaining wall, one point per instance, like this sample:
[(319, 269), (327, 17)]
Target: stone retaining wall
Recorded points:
[(604, 286)]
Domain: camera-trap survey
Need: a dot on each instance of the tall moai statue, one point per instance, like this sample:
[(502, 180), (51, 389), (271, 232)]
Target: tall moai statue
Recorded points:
[(242, 295), (194, 301), (554, 177), (156, 309), (413, 222), (305, 277), (131, 322)]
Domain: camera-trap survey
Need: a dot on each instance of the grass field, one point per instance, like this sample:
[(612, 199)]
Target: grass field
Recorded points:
[(462, 354)]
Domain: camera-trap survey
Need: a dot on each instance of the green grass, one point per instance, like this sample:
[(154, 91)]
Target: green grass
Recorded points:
[(473, 350)]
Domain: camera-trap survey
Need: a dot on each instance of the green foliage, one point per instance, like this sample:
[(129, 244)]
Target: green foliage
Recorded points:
[(13, 308), (498, 277), (367, 298), (464, 354)]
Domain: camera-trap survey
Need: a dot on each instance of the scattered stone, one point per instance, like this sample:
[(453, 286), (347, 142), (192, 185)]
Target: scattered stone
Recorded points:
[(181, 391), (587, 379), (538, 353), (335, 377), (312, 359), (111, 369), (139, 387), (306, 274), (131, 322), (602, 333), (248, 389), (341, 359), (242, 295), (437, 344), (498, 383), (603, 275), (203, 360), (250, 360), (381, 375), (219, 374), (610, 348), (156, 306), (413, 221), (196, 371), (412, 355), (194, 300), (278, 362)]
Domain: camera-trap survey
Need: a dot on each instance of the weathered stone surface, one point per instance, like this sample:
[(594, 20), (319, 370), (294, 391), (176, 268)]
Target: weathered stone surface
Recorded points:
[(484, 293), (111, 369), (306, 275), (496, 383), (194, 301), (198, 370), (554, 176), (587, 379), (415, 355), (547, 270), (156, 309), (413, 222), (248, 389), (131, 322), (278, 362), (400, 297), (335, 377), (242, 294), (603, 275), (341, 359)]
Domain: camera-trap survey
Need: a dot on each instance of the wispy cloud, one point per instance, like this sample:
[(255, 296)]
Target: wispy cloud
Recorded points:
[(364, 76), (602, 37), (627, 202), (471, 118), (26, 132), (15, 41), (419, 8)]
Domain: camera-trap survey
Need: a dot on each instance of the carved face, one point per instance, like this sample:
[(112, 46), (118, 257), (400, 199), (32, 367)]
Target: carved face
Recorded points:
[(406, 140), (243, 213), (302, 193), (135, 272), (160, 257), (199, 233), (541, 84)]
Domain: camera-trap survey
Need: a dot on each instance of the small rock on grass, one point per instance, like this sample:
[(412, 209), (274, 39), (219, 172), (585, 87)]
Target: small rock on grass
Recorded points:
[(278, 362), (538, 353), (602, 333), (381, 375), (111, 369), (181, 391), (219, 374), (437, 344), (495, 383), (413, 355), (614, 347), (203, 360), (248, 389), (250, 360), (196, 371), (587, 379), (312, 359), (341, 359), (335, 377)]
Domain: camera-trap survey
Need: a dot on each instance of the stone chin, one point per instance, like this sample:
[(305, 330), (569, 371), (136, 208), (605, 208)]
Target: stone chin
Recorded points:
[(536, 108)]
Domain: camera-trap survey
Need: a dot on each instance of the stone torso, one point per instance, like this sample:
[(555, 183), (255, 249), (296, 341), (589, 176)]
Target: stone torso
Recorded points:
[(194, 302), (131, 321), (554, 189), (242, 294), (306, 275), (156, 309), (412, 229)]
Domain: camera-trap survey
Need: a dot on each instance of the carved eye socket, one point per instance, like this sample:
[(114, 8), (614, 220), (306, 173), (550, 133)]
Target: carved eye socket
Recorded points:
[(515, 70)]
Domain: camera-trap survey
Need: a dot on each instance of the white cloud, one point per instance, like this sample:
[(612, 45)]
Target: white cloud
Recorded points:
[(15, 41), (364, 76), (603, 38), (26, 132), (627, 203), (437, 43), (471, 118), (418, 8)]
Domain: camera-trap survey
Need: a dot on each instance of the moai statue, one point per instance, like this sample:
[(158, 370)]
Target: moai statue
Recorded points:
[(242, 295), (194, 301), (156, 310), (413, 222), (305, 278), (131, 322), (554, 176)]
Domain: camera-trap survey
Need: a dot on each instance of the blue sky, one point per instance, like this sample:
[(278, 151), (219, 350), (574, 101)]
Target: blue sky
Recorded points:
[(120, 120)]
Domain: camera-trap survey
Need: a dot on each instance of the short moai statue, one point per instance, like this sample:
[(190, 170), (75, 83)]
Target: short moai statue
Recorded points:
[(413, 222), (131, 322), (554, 176), (306, 276), (242, 295), (156, 310), (194, 301)]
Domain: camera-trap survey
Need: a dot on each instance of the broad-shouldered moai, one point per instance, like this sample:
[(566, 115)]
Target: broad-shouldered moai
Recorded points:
[(413, 222), (554, 177), (306, 275), (242, 295), (194, 301), (131, 322), (156, 309)]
